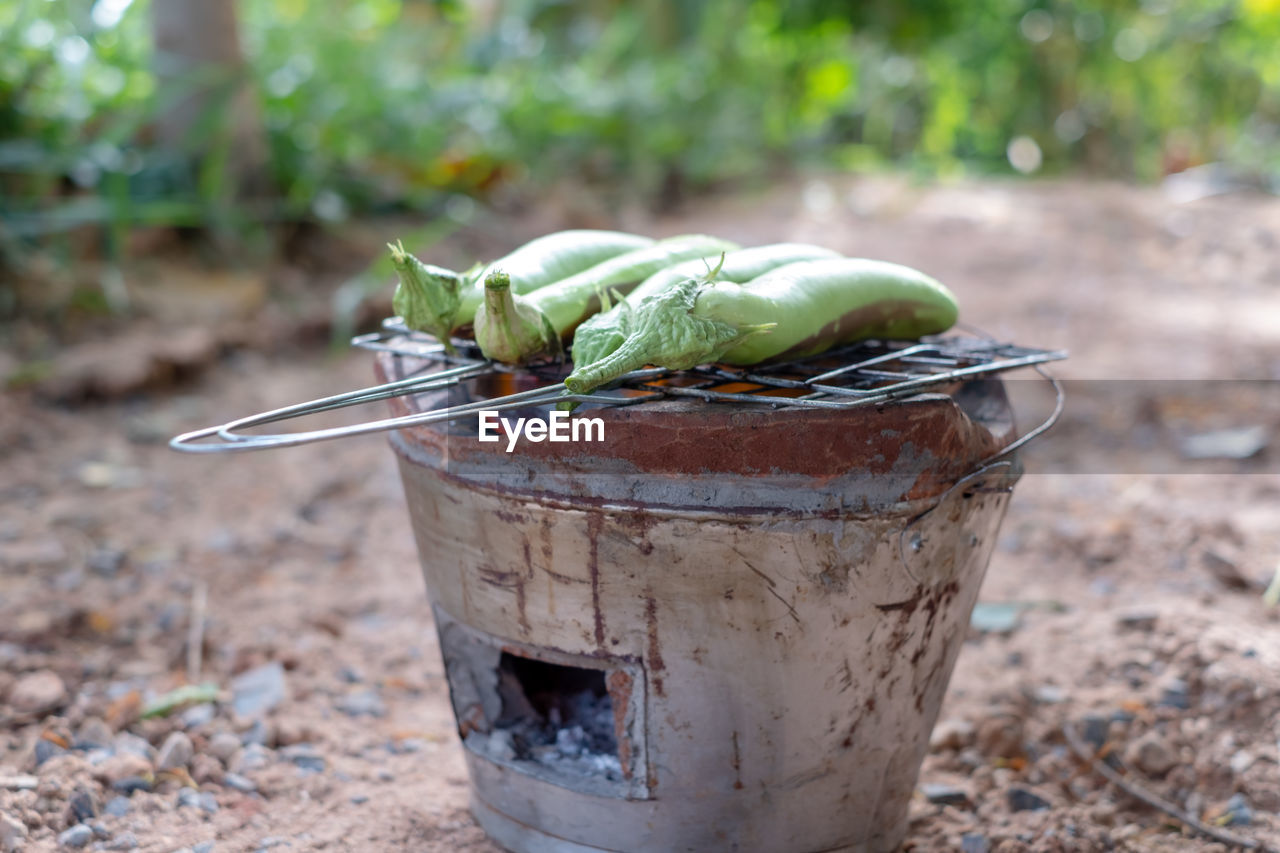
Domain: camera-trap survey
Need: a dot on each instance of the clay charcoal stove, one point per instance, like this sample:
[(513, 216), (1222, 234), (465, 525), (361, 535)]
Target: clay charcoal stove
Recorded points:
[(729, 624)]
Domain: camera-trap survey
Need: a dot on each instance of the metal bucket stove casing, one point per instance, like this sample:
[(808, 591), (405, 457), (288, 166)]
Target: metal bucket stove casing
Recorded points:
[(775, 619)]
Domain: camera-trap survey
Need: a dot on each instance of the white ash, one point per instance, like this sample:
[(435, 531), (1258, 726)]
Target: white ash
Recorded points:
[(583, 745)]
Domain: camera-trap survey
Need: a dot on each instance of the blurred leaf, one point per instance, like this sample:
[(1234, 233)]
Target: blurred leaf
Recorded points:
[(178, 698)]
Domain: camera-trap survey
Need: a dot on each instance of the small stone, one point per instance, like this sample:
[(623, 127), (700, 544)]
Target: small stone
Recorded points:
[(1138, 620), (198, 715), (13, 833), (1050, 694), (21, 782), (1175, 694), (996, 617), (253, 757), (951, 734), (176, 752), (207, 802), (1094, 729), (188, 798), (123, 841), (99, 829), (47, 749), (202, 847), (117, 807), (76, 837), (1238, 811), (1151, 755), (1231, 443), (944, 795), (96, 757), (262, 732), (93, 733), (1000, 737), (289, 732), (349, 675), (408, 745), (37, 692), (69, 581), (972, 842), (127, 742), (123, 766), (130, 784), (1024, 800), (362, 703), (1102, 587), (304, 756), (39, 552), (1241, 761), (359, 799), (223, 746), (258, 690), (206, 770), (106, 562), (236, 782), (83, 804)]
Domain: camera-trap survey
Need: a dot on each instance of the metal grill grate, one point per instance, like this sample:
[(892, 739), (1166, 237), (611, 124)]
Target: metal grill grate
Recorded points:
[(866, 373)]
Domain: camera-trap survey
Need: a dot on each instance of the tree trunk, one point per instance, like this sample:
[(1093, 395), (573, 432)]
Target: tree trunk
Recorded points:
[(208, 108)]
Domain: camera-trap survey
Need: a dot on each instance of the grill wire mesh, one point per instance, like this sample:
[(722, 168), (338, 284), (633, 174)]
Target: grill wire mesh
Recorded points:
[(865, 373)]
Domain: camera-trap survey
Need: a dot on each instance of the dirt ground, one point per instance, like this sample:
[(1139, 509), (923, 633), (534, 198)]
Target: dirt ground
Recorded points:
[(1132, 593)]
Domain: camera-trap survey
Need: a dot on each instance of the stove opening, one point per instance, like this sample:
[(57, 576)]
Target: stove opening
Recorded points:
[(558, 716)]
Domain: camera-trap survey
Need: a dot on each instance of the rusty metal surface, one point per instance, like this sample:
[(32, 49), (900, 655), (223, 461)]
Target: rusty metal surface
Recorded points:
[(686, 455)]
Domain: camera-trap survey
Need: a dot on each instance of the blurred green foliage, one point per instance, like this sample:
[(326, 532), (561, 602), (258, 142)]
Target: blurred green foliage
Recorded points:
[(374, 105)]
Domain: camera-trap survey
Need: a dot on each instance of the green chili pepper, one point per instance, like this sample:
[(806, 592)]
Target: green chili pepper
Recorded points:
[(441, 301), (796, 310), (567, 303), (603, 333)]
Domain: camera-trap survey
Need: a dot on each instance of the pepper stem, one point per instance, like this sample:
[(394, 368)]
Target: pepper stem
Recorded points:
[(510, 329), (427, 297)]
